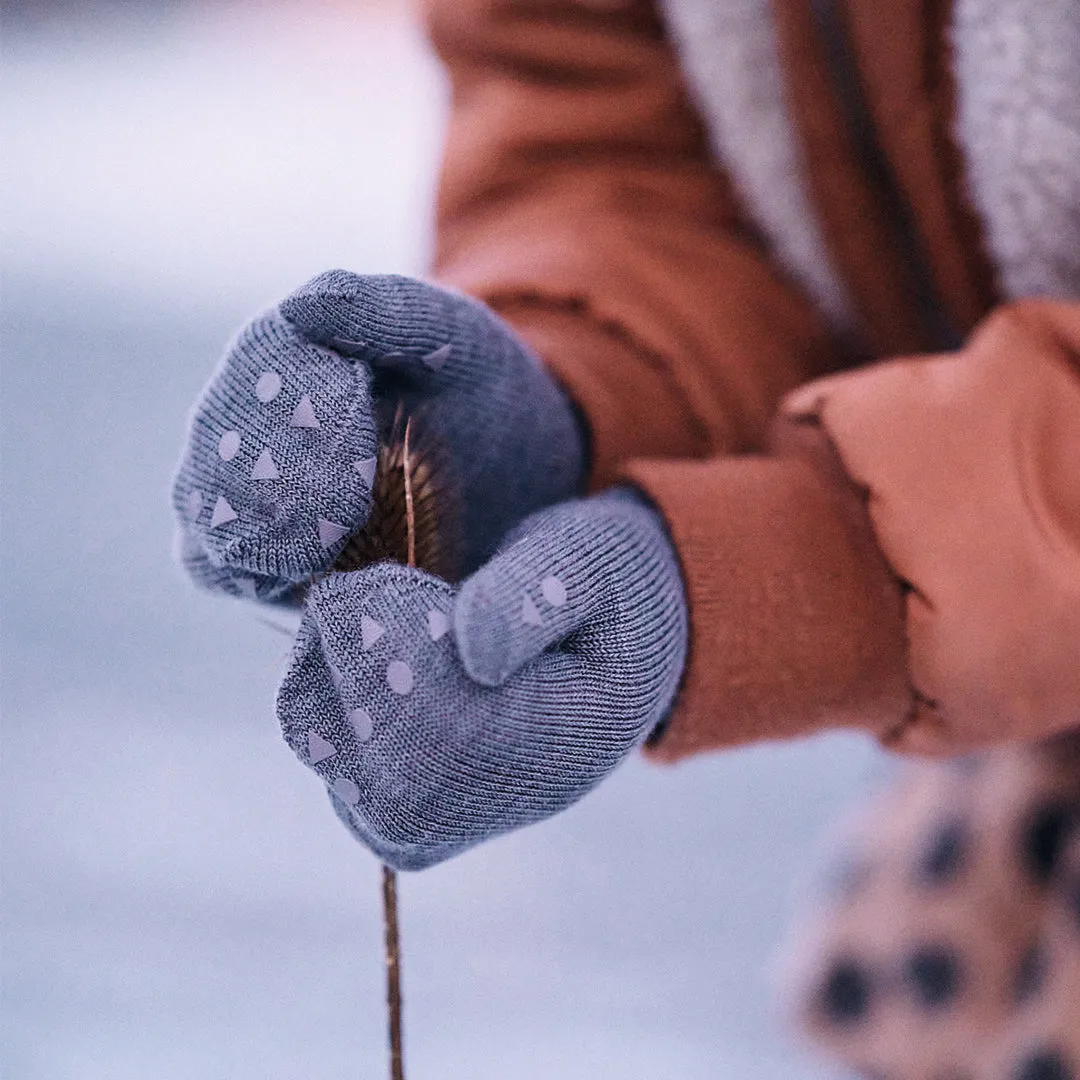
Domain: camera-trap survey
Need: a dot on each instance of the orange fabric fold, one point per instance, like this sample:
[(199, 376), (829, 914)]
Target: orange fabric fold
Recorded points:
[(850, 207), (972, 463), (905, 67)]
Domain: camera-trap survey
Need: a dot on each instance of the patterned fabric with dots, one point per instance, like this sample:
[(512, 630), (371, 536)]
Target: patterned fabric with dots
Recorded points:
[(440, 717), (947, 942), (1042, 1040), (281, 453), (507, 437), (269, 478)]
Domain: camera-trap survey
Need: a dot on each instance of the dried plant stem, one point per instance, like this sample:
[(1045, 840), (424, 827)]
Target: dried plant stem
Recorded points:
[(393, 972), (389, 878), (410, 515)]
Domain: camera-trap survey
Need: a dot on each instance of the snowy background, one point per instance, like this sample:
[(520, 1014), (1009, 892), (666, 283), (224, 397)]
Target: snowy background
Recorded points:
[(178, 900)]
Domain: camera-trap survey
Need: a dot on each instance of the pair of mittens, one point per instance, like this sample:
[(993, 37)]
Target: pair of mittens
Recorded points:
[(437, 715)]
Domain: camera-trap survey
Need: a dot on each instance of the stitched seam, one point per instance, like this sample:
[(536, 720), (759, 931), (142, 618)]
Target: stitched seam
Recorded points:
[(919, 701)]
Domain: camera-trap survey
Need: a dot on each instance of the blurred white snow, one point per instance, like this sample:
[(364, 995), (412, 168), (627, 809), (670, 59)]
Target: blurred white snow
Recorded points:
[(178, 899), (201, 148)]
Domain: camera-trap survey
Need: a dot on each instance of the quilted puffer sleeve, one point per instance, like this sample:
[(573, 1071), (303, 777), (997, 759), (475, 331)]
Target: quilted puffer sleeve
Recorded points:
[(972, 464)]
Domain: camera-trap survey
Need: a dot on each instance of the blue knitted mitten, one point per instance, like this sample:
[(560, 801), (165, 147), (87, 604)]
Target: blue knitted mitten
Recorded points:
[(282, 449), (441, 717)]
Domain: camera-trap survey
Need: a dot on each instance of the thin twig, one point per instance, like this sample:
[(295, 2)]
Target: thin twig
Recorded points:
[(410, 516), (393, 972), (346, 343), (290, 634), (389, 878)]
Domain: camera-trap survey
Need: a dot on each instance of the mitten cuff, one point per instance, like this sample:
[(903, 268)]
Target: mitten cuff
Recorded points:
[(796, 621)]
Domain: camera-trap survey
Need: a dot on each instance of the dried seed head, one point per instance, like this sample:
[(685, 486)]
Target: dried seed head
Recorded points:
[(386, 534)]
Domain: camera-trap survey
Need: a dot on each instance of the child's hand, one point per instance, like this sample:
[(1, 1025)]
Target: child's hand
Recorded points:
[(279, 463), (441, 717)]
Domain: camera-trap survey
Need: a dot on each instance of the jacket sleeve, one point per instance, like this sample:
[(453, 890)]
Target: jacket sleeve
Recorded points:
[(908, 560), (578, 200)]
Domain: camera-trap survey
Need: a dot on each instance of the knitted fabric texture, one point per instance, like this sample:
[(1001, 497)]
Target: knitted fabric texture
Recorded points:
[(507, 436), (281, 454), (439, 718), (273, 475)]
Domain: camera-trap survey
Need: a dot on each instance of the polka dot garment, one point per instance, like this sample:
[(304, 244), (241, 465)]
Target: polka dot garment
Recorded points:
[(1042, 1039), (946, 945)]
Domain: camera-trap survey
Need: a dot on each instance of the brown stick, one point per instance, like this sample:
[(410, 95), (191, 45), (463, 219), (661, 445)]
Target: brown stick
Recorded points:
[(410, 514), (389, 878), (393, 972)]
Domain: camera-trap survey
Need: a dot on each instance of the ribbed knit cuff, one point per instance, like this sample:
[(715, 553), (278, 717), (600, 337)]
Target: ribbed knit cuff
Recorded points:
[(796, 621)]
